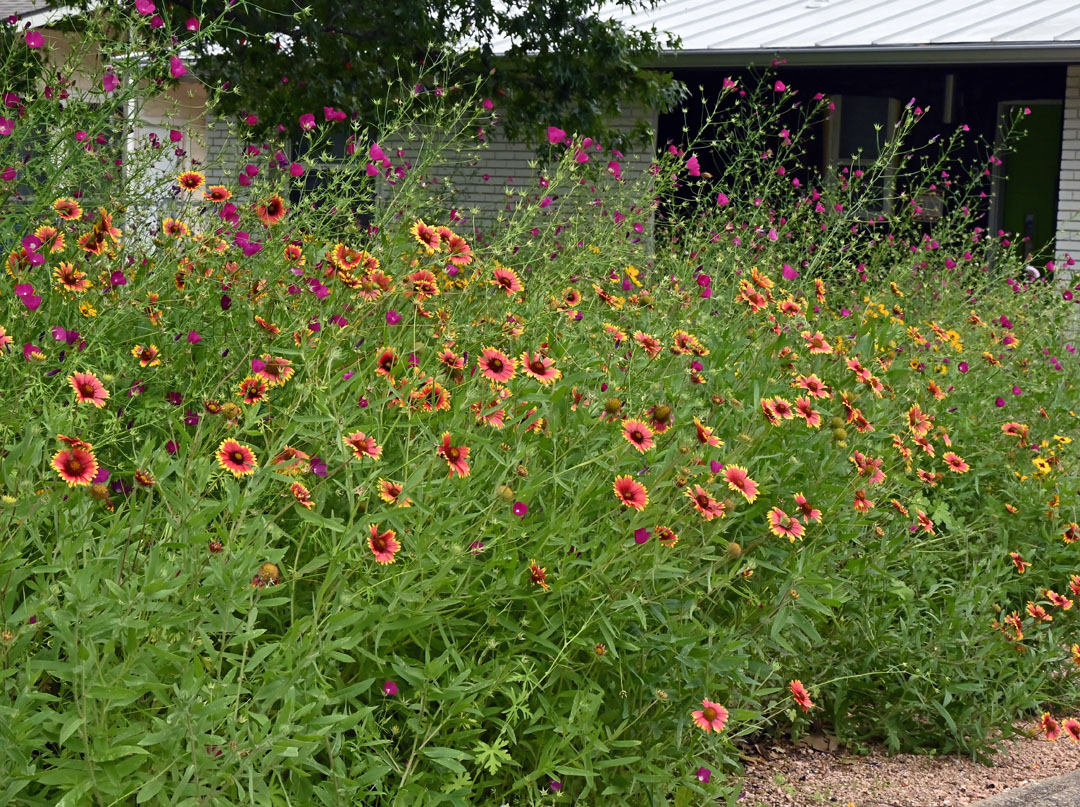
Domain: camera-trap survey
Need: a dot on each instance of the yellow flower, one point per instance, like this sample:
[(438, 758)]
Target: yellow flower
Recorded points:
[(1063, 439), (1041, 464), (87, 310)]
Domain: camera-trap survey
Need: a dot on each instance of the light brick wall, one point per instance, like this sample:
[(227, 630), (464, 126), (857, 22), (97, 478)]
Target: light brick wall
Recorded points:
[(506, 165), (1068, 223), (222, 152)]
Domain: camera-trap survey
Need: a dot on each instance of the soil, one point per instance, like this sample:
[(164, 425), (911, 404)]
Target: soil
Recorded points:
[(817, 772)]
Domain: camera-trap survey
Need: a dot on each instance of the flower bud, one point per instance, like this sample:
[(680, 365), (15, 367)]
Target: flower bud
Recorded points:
[(268, 575)]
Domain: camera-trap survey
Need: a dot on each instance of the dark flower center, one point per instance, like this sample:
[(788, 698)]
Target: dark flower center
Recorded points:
[(496, 365), (710, 714), (238, 457), (538, 366), (74, 466)]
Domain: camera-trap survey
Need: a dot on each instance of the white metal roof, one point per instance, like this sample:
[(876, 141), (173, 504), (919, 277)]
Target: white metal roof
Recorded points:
[(746, 27)]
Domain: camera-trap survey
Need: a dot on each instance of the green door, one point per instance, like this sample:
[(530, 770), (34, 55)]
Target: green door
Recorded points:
[(1029, 188)]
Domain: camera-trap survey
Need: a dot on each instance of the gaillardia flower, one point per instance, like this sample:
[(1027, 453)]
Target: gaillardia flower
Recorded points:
[(455, 456), (784, 526), (540, 367), (711, 717), (801, 696), (638, 434), (630, 492), (496, 365), (76, 465), (236, 458), (384, 545), (190, 180), (704, 503), (363, 446), (88, 389), (739, 480)]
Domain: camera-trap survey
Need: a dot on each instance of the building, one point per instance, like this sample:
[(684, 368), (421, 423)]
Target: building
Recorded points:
[(967, 62)]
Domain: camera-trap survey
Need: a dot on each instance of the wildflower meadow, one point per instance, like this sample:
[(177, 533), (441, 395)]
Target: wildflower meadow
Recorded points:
[(346, 493)]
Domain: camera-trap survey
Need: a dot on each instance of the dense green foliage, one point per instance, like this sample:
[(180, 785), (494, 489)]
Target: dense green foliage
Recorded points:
[(247, 559)]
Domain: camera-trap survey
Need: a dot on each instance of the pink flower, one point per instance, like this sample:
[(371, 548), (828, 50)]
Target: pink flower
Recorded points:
[(192, 24), (296, 170), (555, 135), (176, 67), (721, 199), (145, 7), (789, 273), (110, 82), (390, 688), (34, 39), (779, 86), (307, 121), (7, 126), (710, 718), (693, 167)]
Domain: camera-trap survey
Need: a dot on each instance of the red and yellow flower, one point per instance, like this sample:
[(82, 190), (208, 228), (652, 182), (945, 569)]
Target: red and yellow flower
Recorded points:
[(711, 717), (88, 389), (738, 479), (638, 434), (76, 465), (363, 446), (384, 545), (630, 492), (236, 458), (456, 456)]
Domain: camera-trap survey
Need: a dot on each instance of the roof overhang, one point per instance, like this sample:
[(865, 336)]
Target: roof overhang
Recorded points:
[(1019, 53)]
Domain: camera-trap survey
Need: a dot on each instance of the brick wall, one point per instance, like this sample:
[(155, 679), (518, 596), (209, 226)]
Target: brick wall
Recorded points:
[(506, 168), (1068, 224), (222, 152), (504, 164)]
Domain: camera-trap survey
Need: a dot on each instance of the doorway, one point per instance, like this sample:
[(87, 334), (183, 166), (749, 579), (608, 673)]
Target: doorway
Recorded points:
[(1028, 185)]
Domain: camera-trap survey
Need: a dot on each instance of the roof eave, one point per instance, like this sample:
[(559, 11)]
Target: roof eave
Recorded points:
[(978, 53)]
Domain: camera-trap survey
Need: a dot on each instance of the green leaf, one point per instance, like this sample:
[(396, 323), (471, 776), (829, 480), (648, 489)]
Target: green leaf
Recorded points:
[(70, 727)]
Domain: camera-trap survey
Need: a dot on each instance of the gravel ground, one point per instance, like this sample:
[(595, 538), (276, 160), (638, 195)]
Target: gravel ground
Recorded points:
[(805, 777)]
